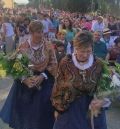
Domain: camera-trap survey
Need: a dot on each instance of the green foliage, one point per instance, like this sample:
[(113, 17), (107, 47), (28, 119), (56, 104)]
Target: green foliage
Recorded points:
[(105, 81), (117, 68), (15, 67), (25, 60), (83, 6), (73, 5), (105, 6), (34, 3), (104, 84), (79, 5)]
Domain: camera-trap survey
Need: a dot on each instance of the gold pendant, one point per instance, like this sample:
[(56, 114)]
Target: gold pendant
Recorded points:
[(83, 74)]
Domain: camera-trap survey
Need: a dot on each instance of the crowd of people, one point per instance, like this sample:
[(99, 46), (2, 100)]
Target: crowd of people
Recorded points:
[(64, 49), (62, 26)]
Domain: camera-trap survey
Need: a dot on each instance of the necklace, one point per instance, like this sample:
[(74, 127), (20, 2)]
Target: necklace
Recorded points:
[(83, 74), (83, 66)]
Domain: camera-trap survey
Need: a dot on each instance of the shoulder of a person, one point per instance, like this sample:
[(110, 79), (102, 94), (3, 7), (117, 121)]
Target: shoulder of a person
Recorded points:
[(103, 43), (49, 45), (98, 61), (95, 22), (66, 60), (24, 45)]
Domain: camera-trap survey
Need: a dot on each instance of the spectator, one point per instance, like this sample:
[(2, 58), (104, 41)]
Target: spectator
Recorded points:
[(114, 53), (98, 25), (7, 31), (107, 38), (99, 47)]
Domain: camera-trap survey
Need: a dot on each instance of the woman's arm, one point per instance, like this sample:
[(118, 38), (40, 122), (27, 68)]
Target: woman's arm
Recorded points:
[(52, 65), (61, 93)]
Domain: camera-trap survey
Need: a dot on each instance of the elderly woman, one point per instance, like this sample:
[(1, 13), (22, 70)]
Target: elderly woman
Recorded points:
[(27, 106), (75, 87)]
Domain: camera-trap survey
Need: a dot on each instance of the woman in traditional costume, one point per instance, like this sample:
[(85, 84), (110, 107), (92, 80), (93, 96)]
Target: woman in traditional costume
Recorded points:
[(28, 105), (75, 87)]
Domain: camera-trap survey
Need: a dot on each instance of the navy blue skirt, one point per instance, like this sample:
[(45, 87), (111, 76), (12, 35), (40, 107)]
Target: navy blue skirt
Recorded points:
[(27, 108), (76, 117)]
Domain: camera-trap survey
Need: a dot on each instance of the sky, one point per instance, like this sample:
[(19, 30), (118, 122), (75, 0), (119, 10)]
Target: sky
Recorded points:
[(21, 1)]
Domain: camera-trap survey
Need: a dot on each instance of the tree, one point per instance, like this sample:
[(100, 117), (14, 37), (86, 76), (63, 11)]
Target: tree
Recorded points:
[(34, 3), (103, 6), (73, 5), (15, 4), (114, 7), (60, 4), (82, 6)]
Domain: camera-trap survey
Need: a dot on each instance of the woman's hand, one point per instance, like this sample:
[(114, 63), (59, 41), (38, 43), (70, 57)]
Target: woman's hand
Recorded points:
[(38, 79), (96, 104), (56, 115), (33, 81), (95, 107), (30, 81)]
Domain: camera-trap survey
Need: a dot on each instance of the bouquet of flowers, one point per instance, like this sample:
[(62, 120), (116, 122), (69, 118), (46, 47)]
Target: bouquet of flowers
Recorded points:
[(108, 86), (15, 65)]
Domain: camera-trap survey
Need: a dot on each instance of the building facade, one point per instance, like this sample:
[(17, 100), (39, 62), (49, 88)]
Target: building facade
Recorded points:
[(8, 3)]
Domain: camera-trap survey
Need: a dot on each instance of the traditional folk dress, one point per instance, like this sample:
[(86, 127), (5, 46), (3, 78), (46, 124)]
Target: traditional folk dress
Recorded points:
[(73, 92), (31, 108)]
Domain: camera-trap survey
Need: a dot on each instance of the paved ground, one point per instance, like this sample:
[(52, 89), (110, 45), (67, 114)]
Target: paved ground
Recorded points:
[(113, 115), (5, 85)]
